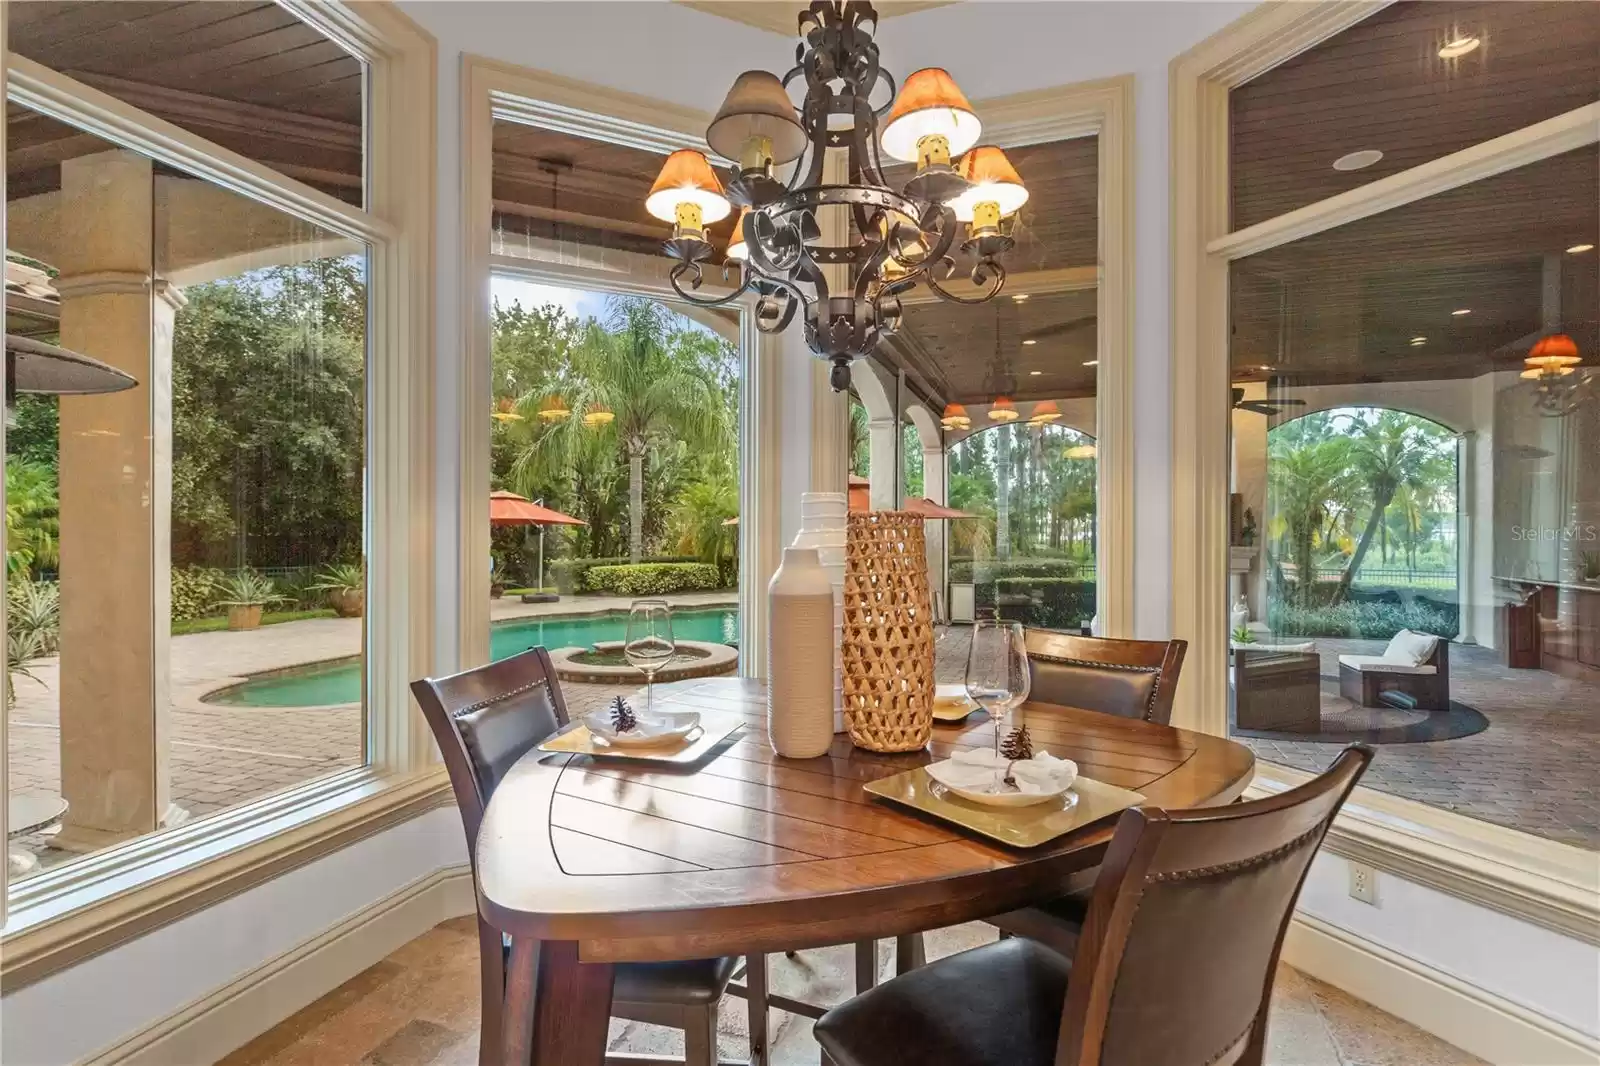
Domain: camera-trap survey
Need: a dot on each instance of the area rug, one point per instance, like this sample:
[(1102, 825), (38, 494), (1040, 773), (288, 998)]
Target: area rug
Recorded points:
[(1344, 722)]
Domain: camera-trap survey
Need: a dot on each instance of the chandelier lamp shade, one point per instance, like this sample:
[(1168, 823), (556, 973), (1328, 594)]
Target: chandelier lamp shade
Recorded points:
[(1044, 412), (1003, 410), (598, 415), (847, 296), (1555, 355), (1552, 365), (955, 417), (553, 409)]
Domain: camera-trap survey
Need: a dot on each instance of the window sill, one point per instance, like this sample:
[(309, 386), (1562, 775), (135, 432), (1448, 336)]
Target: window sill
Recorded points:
[(65, 916), (1550, 884)]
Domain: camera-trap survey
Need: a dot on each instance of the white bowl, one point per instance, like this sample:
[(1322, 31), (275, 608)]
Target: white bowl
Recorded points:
[(654, 730), (939, 773)]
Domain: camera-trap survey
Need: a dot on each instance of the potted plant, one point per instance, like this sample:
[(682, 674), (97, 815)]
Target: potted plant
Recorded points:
[(345, 584), (1244, 635), (244, 593)]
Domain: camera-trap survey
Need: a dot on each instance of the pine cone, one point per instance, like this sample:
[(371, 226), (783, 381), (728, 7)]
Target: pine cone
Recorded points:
[(1017, 745), (622, 719)]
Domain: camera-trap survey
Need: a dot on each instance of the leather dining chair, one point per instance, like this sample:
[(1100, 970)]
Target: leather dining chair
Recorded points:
[(484, 720), (1175, 967), (1127, 678)]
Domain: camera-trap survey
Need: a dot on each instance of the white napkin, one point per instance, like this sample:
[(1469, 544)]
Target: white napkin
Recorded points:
[(981, 770)]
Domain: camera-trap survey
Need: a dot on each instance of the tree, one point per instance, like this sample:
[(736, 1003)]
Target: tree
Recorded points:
[(1388, 453), (33, 516), (1304, 479), (657, 389), (701, 515)]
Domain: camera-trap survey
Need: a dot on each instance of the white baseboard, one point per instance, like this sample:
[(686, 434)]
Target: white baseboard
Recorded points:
[(1471, 1018), (227, 1019)]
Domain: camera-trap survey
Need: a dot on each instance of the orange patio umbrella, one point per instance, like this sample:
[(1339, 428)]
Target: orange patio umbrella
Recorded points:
[(928, 509), (509, 509)]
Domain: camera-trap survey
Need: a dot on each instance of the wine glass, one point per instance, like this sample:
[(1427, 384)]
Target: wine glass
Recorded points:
[(997, 672), (649, 644)]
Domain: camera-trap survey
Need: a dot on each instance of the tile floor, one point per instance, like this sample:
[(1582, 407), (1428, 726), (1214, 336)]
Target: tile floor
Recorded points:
[(419, 1007)]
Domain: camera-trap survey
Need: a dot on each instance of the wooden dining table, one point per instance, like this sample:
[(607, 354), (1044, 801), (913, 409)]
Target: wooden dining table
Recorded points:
[(589, 862)]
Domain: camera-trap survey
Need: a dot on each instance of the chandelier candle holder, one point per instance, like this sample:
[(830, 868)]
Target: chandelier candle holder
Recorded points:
[(888, 633), (900, 239), (1558, 386)]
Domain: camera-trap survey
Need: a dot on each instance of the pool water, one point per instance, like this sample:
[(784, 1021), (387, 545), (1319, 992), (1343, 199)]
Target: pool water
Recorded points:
[(340, 682)]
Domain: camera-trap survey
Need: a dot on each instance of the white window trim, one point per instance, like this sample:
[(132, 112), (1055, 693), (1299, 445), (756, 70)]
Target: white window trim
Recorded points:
[(62, 916), (492, 89), (1550, 884)]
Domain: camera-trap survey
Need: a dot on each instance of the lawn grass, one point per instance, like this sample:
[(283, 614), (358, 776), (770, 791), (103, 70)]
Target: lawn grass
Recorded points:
[(220, 622)]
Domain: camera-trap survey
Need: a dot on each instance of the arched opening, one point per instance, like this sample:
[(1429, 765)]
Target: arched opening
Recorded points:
[(1030, 552), (1360, 530)]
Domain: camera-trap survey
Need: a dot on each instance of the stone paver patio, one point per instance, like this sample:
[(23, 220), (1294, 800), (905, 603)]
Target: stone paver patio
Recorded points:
[(224, 756)]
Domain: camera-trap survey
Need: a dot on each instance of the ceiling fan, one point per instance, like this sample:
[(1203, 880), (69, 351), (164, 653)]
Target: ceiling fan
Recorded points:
[(1262, 407)]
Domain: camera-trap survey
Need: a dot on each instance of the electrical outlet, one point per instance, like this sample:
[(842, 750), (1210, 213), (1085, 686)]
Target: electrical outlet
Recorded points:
[(1363, 883)]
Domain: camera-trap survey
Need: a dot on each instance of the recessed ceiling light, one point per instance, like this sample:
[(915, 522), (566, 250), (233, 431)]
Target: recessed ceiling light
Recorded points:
[(1417, 342), (1030, 340), (1458, 312), (1265, 367), (1035, 373), (1357, 160), (1092, 362), (1579, 249), (1457, 47), (1019, 297)]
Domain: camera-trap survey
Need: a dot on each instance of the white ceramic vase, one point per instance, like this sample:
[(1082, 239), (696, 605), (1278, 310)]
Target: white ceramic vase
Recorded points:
[(824, 518), (800, 649)]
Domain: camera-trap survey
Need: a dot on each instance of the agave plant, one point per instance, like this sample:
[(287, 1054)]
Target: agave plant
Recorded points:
[(35, 607), (1243, 635), (22, 646), (246, 588), (341, 577)]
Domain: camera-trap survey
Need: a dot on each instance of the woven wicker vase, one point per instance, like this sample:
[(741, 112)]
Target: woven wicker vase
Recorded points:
[(888, 633)]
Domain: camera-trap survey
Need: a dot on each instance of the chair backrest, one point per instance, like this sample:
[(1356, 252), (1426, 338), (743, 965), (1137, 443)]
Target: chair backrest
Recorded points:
[(1128, 678), (485, 719), (1175, 963)]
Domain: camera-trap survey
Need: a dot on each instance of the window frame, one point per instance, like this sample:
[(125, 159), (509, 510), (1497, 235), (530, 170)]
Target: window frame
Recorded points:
[(1545, 882), (61, 917)]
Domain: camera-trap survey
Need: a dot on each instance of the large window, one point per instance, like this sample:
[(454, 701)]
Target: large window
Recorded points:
[(1415, 510)]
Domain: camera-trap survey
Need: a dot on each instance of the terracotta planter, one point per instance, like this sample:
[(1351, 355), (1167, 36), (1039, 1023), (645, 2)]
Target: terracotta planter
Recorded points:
[(244, 617), (346, 603)]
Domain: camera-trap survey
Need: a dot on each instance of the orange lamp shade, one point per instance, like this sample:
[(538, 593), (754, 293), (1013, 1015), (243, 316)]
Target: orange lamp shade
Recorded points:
[(598, 415), (1003, 410), (955, 417), (1555, 351), (505, 411), (930, 104), (553, 409), (1043, 412), (994, 180), (736, 245), (686, 179)]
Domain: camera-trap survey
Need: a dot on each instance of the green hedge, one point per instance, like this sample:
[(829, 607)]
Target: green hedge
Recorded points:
[(1052, 602), (193, 590), (961, 570), (1372, 621), (652, 579), (570, 575)]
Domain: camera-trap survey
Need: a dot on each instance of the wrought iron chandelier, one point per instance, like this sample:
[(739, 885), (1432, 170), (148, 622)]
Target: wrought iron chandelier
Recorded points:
[(898, 240)]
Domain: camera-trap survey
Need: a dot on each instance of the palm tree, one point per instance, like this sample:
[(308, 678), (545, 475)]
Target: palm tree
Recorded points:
[(1386, 454), (33, 516), (700, 516), (1306, 480), (627, 370)]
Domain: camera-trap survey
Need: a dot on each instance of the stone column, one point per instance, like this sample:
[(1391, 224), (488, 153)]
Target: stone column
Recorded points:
[(883, 450), (116, 480)]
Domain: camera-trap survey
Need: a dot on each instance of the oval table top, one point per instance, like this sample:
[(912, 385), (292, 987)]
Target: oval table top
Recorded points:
[(749, 851)]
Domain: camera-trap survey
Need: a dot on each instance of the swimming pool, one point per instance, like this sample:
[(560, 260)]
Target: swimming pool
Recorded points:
[(326, 684)]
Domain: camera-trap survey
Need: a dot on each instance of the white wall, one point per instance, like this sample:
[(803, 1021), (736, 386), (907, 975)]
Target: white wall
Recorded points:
[(78, 1012)]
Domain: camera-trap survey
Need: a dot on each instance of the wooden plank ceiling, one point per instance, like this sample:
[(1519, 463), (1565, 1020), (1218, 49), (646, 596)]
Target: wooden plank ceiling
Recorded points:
[(1381, 85), (246, 75), (1344, 305)]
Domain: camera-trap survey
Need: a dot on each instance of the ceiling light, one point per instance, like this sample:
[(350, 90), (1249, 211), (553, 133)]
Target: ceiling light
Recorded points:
[(1044, 412), (1458, 312), (955, 417), (1080, 451), (1003, 410), (1035, 373), (1579, 249), (1030, 340), (1264, 368), (1092, 362), (1020, 297), (1457, 47), (1357, 160), (1417, 342)]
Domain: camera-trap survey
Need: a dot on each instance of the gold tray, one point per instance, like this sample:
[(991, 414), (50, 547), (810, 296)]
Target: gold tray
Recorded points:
[(948, 707), (713, 729), (1018, 827)]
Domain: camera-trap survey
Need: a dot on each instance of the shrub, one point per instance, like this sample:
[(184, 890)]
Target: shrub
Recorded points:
[(1373, 621), (652, 579), (35, 612), (193, 588), (1051, 602), (963, 570), (571, 575)]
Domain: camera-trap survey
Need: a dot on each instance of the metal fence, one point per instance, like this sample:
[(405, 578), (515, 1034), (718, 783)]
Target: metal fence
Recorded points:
[(1386, 576)]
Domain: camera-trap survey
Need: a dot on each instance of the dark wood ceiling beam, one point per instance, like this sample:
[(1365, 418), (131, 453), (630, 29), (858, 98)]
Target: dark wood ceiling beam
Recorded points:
[(183, 107)]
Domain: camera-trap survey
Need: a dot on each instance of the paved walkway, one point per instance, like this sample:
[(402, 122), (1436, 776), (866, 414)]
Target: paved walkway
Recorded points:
[(224, 756)]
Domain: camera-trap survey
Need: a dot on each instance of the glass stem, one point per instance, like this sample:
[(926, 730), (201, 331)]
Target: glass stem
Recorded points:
[(649, 692)]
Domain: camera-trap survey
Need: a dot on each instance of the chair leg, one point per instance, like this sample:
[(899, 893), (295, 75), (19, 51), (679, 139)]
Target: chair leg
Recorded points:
[(910, 951), (755, 983), (700, 1036), (866, 965)]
